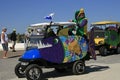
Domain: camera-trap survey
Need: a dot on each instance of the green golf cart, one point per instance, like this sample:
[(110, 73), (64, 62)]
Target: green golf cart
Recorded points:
[(107, 37)]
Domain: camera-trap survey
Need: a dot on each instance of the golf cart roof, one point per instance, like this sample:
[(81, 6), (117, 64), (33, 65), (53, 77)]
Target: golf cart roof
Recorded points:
[(52, 24), (106, 22)]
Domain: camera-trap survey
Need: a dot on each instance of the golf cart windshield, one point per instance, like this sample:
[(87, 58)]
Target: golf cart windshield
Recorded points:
[(100, 27), (45, 30)]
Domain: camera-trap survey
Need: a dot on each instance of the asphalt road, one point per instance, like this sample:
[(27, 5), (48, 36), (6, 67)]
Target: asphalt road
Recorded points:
[(7, 66)]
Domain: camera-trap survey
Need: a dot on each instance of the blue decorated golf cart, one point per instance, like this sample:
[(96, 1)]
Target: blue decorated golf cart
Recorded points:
[(56, 46)]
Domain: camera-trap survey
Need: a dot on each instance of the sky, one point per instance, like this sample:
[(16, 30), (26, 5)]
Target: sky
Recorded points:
[(19, 14)]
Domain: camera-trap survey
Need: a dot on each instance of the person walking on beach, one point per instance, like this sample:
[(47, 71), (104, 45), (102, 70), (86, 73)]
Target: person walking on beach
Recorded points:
[(4, 42), (13, 39)]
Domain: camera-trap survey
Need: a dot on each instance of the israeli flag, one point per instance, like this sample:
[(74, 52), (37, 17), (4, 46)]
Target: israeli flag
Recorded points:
[(49, 16)]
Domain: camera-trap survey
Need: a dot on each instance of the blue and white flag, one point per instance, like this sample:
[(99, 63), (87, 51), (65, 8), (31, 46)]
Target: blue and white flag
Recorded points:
[(50, 16)]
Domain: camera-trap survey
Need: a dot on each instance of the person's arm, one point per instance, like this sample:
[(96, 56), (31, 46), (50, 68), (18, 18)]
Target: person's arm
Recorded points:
[(83, 23)]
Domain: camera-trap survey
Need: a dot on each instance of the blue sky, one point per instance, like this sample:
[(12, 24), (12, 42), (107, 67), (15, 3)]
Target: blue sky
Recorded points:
[(21, 13)]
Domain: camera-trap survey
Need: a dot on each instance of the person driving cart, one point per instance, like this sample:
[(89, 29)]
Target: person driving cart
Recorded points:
[(50, 33)]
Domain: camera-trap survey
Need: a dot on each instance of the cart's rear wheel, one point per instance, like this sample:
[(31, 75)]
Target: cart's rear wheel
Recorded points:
[(33, 72), (103, 51), (118, 50), (78, 67), (19, 71)]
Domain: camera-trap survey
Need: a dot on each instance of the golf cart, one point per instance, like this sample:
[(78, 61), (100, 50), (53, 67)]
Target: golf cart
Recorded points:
[(55, 48), (107, 37)]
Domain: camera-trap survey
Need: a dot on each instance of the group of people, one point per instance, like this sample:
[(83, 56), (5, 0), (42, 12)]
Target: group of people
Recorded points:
[(4, 41)]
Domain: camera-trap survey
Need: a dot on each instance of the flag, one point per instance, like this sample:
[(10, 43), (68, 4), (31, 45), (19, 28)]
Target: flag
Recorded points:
[(49, 16)]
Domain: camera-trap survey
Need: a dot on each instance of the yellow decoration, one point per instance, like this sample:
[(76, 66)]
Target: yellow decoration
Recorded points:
[(74, 46), (81, 10), (65, 59)]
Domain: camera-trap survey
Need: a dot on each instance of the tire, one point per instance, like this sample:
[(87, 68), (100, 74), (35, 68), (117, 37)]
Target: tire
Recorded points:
[(78, 67), (118, 50), (19, 71), (103, 51), (33, 72)]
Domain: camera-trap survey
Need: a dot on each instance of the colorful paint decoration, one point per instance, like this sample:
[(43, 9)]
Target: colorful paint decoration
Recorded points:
[(75, 48)]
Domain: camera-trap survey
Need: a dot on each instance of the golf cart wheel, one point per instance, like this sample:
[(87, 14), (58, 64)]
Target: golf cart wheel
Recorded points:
[(78, 67), (103, 51), (33, 72), (118, 50), (19, 71)]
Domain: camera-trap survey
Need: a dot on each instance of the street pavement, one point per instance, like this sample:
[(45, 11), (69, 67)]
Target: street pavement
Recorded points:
[(104, 68)]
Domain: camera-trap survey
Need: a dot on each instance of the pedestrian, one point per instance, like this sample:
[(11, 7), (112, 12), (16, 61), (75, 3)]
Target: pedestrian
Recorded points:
[(28, 33), (4, 42), (13, 38)]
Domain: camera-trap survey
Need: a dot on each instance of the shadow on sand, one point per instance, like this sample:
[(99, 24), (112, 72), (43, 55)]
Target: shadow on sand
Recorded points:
[(89, 69), (14, 56)]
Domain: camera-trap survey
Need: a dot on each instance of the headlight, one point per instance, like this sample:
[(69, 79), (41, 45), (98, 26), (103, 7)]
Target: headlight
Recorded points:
[(24, 63)]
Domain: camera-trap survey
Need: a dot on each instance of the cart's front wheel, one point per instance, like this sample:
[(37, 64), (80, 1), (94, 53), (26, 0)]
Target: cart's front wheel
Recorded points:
[(19, 71), (78, 67), (33, 72)]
